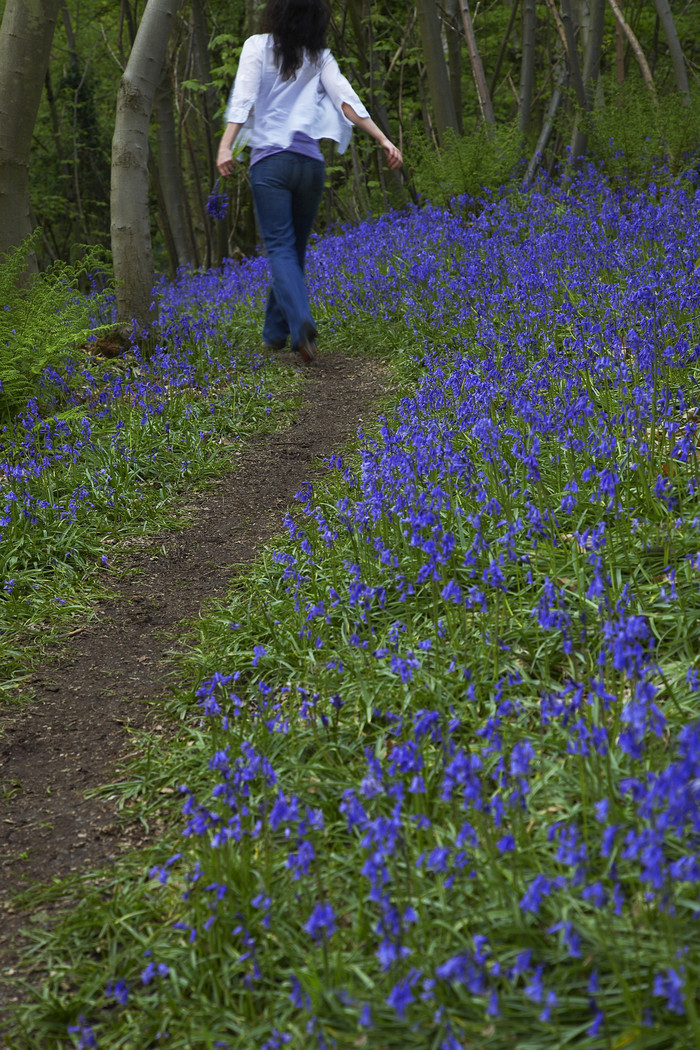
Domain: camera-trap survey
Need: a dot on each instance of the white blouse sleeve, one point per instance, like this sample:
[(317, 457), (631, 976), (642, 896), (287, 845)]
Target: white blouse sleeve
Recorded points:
[(247, 82), (338, 88)]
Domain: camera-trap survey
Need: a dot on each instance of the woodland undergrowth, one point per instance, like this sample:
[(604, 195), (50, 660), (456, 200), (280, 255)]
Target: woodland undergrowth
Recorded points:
[(438, 777)]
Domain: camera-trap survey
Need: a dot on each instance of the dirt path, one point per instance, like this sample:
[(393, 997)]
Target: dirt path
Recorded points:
[(71, 739)]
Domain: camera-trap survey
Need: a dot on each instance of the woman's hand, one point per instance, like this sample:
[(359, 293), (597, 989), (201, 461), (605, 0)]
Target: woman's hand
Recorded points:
[(393, 154), (225, 160)]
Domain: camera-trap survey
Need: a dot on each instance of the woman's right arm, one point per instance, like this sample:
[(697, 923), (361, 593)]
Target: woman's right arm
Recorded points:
[(224, 158), (241, 100)]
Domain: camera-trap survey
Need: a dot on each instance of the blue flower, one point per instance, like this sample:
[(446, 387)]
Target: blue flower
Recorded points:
[(86, 1037), (321, 923)]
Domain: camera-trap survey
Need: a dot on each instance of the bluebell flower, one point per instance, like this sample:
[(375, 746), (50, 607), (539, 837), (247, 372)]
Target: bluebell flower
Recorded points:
[(217, 203), (321, 923), (401, 995), (669, 985)]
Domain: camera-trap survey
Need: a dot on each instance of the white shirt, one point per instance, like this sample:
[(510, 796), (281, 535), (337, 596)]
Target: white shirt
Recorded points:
[(272, 110)]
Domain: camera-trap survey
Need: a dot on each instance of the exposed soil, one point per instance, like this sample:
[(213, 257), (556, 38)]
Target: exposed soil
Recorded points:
[(112, 672)]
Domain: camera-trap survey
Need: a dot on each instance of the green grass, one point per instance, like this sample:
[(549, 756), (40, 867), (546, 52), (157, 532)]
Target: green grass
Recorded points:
[(439, 750)]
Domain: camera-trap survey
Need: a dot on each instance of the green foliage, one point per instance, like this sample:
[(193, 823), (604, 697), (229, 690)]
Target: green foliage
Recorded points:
[(469, 163), (630, 134), (40, 320)]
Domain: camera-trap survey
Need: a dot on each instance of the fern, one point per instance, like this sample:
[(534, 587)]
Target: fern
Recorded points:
[(631, 135), (41, 319)]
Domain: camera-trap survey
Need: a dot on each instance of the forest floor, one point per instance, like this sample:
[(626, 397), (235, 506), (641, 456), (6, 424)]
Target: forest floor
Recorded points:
[(109, 674)]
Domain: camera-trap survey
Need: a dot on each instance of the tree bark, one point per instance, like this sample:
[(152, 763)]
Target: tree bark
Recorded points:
[(572, 54), (436, 68), (674, 45), (545, 133), (454, 56), (211, 105), (636, 47), (527, 65), (515, 4), (132, 251), (168, 172), (482, 88), (591, 69), (25, 45)]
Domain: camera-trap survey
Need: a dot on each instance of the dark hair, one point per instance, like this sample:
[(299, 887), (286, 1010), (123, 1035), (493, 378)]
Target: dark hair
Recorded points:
[(296, 26)]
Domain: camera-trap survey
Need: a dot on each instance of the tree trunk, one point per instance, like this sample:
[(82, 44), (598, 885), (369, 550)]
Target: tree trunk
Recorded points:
[(527, 66), (572, 54), (591, 69), (211, 105), (169, 176), (545, 133), (636, 47), (454, 55), (515, 4), (25, 45), (132, 252), (674, 46), (436, 68), (482, 89)]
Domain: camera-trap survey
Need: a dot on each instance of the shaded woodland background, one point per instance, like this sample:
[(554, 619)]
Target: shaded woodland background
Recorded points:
[(537, 83)]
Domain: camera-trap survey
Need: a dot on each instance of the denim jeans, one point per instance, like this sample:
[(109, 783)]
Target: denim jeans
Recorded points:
[(287, 189)]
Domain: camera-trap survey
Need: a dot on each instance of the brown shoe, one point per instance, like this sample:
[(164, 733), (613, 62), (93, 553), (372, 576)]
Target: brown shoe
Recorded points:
[(307, 346)]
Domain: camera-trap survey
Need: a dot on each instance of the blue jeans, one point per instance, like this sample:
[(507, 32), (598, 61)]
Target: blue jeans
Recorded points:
[(287, 189)]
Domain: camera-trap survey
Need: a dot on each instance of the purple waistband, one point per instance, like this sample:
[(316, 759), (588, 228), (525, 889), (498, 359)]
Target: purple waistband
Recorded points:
[(300, 143)]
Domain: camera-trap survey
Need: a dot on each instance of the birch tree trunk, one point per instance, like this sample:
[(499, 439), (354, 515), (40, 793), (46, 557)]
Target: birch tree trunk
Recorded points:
[(132, 251), (572, 54), (25, 44), (591, 69), (482, 88), (636, 47), (674, 45)]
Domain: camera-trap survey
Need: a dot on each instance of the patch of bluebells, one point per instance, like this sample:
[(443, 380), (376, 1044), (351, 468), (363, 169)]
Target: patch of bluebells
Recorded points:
[(66, 457), (509, 805)]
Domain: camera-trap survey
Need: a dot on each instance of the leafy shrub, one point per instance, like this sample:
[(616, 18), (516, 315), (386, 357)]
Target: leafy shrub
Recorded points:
[(469, 163), (41, 320)]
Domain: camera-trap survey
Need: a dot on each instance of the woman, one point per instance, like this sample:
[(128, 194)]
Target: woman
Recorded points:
[(291, 82)]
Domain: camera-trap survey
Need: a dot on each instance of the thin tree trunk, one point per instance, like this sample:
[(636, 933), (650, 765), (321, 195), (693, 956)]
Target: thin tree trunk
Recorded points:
[(619, 54), (132, 251), (454, 56), (359, 32), (674, 46), (572, 54), (591, 69), (515, 4), (168, 171), (527, 65), (209, 108), (482, 89), (560, 78), (26, 33), (155, 182), (436, 68), (636, 47)]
